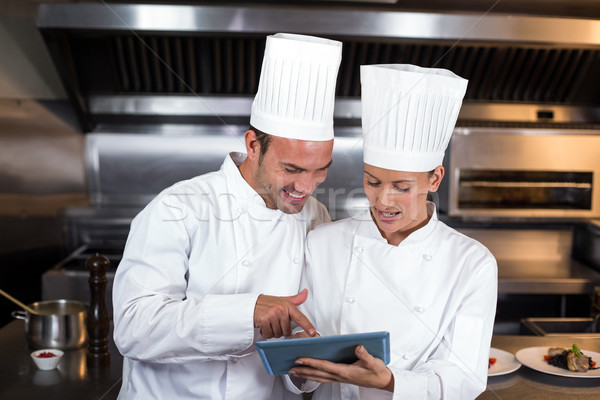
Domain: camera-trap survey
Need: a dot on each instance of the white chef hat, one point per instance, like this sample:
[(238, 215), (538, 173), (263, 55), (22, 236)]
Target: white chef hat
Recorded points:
[(296, 90), (408, 115)]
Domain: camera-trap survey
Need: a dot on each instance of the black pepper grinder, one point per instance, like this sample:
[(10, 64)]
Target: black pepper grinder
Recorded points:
[(97, 317)]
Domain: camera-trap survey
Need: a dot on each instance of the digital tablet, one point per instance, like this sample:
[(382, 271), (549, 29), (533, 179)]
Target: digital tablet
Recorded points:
[(278, 356)]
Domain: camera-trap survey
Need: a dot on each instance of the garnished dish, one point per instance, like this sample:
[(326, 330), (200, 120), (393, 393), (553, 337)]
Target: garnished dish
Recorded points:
[(573, 365), (501, 362), (572, 359)]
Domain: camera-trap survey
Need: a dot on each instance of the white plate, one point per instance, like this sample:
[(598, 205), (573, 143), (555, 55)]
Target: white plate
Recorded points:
[(505, 362), (533, 357)]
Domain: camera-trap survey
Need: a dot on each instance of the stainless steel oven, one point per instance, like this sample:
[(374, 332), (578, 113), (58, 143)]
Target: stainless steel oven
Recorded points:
[(524, 174)]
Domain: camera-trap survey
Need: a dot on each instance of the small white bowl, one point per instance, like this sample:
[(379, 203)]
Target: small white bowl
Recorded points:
[(46, 363)]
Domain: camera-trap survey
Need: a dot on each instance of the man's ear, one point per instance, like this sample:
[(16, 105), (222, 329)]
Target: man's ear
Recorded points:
[(436, 178), (252, 145)]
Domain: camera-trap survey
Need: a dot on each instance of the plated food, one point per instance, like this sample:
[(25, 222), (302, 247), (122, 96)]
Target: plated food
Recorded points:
[(501, 362), (572, 359), (537, 358)]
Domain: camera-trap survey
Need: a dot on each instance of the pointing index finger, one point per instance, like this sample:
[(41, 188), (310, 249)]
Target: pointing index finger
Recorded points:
[(302, 321)]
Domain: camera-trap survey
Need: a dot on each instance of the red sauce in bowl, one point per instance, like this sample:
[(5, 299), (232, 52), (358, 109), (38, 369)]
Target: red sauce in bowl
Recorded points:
[(46, 354)]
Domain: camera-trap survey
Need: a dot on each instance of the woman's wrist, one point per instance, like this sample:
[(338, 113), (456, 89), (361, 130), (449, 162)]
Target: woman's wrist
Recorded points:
[(390, 385)]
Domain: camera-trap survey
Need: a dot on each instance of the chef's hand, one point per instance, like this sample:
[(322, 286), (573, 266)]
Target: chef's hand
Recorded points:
[(272, 314), (367, 371), (302, 334)]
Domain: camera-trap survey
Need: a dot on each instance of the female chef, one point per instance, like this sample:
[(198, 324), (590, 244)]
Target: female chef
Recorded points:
[(397, 267)]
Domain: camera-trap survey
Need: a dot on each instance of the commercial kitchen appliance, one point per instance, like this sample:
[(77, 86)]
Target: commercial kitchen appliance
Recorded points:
[(163, 92)]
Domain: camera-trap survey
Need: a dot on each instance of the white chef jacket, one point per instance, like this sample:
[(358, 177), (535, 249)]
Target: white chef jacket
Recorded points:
[(435, 293), (196, 259)]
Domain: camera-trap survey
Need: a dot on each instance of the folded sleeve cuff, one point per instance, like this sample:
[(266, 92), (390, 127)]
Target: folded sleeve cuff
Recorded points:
[(228, 322)]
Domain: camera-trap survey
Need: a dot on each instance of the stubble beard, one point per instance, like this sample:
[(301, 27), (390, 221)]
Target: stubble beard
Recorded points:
[(272, 195)]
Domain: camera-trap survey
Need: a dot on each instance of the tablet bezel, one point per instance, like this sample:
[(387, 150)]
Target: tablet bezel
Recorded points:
[(278, 356)]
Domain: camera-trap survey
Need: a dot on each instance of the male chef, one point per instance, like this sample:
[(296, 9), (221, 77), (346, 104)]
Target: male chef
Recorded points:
[(213, 263)]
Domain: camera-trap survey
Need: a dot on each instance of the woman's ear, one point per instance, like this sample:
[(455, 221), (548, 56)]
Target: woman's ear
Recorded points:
[(252, 145), (436, 178)]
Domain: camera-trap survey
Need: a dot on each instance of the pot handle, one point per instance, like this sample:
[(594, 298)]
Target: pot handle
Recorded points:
[(19, 315)]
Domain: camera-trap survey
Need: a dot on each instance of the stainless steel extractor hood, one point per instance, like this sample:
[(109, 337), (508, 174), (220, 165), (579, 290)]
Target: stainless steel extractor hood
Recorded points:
[(126, 64)]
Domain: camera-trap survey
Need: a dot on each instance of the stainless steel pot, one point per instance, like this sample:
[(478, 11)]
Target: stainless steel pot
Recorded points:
[(60, 324)]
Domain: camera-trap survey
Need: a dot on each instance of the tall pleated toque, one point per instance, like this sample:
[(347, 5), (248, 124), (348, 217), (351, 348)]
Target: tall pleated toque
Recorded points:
[(296, 91), (408, 115)]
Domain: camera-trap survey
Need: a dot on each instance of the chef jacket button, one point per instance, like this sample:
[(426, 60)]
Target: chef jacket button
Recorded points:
[(427, 257), (418, 310), (234, 360), (406, 357), (245, 263), (359, 249), (350, 300), (296, 260)]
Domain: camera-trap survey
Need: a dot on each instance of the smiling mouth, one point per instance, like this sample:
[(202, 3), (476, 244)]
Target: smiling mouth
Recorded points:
[(296, 197), (388, 215)]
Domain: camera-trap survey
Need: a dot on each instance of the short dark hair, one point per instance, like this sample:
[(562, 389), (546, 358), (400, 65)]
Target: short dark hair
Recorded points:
[(264, 139)]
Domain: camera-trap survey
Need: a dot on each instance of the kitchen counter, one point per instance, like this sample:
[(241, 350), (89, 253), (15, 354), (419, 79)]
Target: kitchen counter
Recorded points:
[(20, 378), (534, 260), (526, 383), (546, 277), (72, 379)]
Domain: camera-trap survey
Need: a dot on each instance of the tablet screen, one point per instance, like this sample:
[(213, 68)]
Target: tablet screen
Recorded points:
[(278, 356)]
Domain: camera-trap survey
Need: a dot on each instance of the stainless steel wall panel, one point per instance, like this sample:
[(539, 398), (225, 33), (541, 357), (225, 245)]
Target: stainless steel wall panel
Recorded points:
[(128, 170)]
